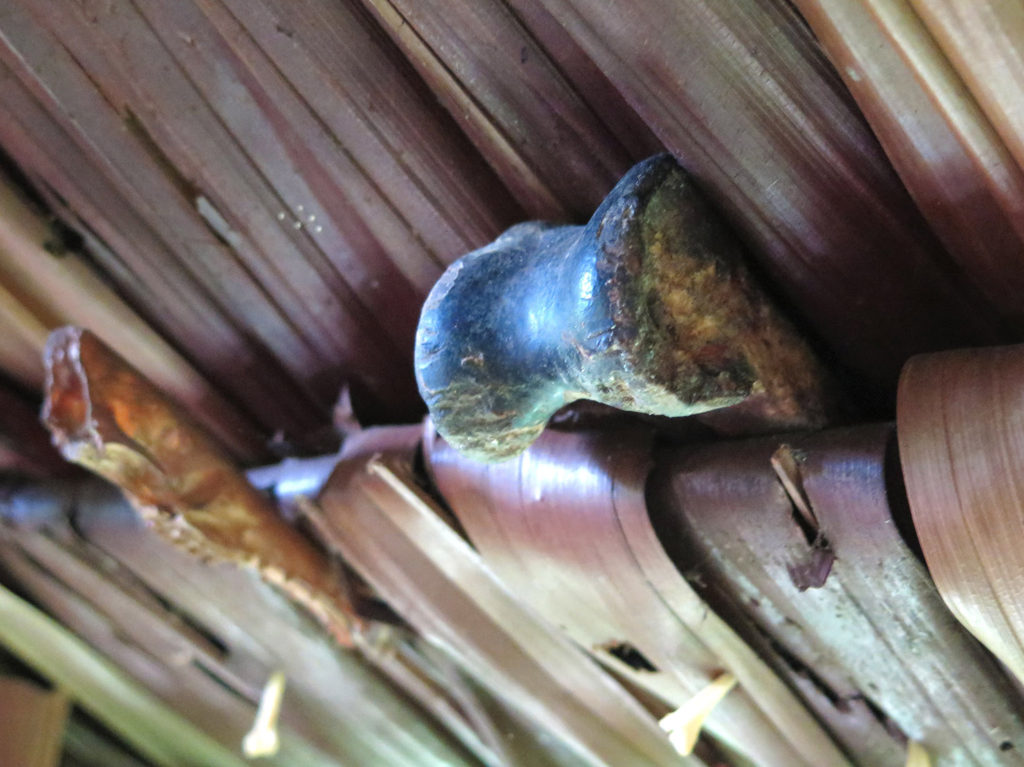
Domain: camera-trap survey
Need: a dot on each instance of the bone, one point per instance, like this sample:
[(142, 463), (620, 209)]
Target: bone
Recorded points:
[(647, 308)]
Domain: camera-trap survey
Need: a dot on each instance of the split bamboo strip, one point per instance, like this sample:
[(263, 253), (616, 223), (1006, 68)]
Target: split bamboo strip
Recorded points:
[(961, 431), (207, 695), (130, 638), (107, 417), (339, 710), (952, 160), (100, 688), (42, 291), (741, 93)]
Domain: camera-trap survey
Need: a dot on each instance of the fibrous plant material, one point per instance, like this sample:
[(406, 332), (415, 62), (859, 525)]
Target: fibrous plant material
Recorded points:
[(403, 544), (511, 97), (937, 124), (103, 690), (741, 93), (105, 416), (960, 423), (867, 642), (138, 214), (648, 308), (565, 525), (44, 287), (205, 636), (985, 42)]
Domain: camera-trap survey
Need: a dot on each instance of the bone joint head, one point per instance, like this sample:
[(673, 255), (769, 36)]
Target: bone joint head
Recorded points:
[(648, 308)]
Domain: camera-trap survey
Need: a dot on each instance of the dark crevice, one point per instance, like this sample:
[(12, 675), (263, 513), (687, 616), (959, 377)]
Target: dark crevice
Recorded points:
[(18, 178), (801, 669), (185, 187), (629, 655), (884, 719), (424, 481), (62, 238), (812, 535), (135, 588), (85, 731), (896, 495), (813, 569), (193, 626)]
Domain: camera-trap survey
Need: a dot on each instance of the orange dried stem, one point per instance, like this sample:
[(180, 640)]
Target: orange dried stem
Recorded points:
[(104, 415)]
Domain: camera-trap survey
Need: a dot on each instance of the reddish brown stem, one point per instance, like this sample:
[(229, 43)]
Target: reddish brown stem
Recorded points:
[(106, 416)]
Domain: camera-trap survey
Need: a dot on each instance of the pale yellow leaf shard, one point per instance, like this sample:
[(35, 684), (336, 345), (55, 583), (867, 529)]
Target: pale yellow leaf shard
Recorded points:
[(262, 739), (684, 724), (917, 756)]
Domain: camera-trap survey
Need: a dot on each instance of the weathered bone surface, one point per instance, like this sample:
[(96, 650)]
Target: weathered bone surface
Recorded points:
[(647, 307)]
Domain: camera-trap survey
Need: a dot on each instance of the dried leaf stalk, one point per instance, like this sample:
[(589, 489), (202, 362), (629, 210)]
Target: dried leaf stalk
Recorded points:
[(105, 416)]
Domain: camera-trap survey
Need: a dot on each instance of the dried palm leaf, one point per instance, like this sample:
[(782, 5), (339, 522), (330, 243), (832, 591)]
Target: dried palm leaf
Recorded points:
[(512, 100), (399, 540), (941, 142), (42, 291), (985, 42), (836, 600), (960, 424), (566, 526)]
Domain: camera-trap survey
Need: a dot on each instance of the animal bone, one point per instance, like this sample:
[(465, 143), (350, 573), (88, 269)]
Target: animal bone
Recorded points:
[(647, 308)]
